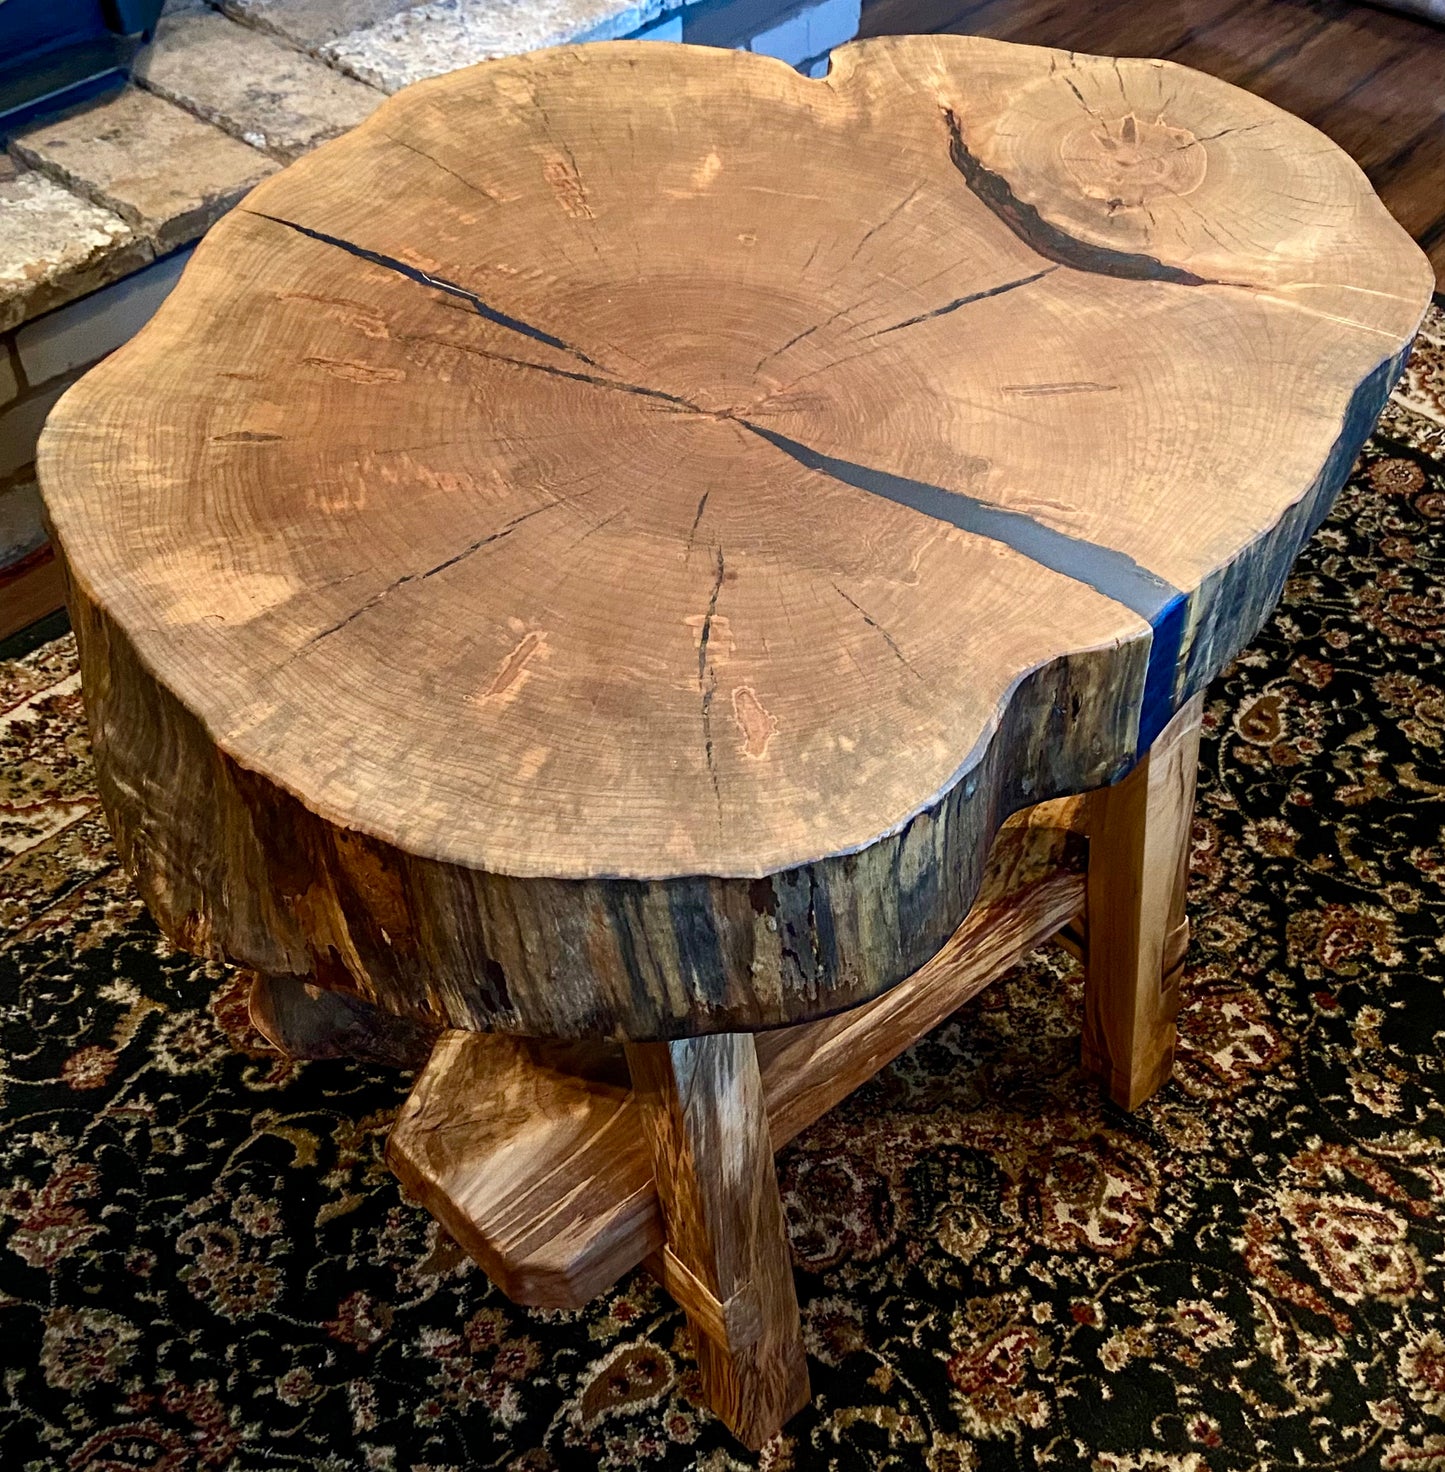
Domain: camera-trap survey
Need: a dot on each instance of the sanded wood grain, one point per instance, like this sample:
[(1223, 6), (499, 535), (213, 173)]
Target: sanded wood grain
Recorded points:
[(1304, 55), (600, 549), (1137, 931), (532, 1154), (701, 1107), (540, 1171)]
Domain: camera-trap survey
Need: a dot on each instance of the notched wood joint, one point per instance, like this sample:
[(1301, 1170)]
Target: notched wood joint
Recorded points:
[(735, 1323)]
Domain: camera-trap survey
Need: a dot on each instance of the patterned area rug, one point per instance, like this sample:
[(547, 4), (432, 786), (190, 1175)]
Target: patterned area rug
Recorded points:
[(205, 1263)]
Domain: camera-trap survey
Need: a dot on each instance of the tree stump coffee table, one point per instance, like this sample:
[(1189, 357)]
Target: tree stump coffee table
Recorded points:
[(583, 569)]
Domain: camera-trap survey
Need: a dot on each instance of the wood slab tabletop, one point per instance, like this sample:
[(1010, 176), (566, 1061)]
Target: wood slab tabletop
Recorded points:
[(601, 547)]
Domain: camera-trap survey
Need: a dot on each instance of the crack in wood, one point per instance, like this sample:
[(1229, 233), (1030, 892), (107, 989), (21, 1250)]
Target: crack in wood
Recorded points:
[(1113, 573), (437, 283), (805, 333), (887, 219), (1107, 570), (1069, 83), (486, 541), (1110, 572), (431, 158), (420, 577), (966, 301), (692, 531), (874, 624), (619, 385), (707, 688)]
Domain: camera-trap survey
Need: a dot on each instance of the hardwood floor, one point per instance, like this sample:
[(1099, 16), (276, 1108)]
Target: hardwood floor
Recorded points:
[(1372, 79)]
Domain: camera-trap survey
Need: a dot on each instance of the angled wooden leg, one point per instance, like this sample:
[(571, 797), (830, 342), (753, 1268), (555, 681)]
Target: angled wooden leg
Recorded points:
[(308, 1021), (1136, 929), (726, 1257)]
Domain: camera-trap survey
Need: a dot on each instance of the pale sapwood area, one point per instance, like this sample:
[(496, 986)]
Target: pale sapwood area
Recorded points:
[(598, 560)]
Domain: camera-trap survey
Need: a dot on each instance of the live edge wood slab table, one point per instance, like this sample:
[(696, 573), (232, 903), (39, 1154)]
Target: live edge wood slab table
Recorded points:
[(652, 579)]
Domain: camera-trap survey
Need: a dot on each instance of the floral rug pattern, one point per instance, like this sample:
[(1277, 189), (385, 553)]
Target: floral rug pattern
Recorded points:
[(204, 1262)]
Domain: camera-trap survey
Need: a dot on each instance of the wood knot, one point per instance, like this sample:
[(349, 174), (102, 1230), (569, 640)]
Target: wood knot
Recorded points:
[(1128, 161)]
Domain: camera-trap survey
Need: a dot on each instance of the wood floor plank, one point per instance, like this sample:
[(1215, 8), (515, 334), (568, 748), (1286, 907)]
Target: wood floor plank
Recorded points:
[(1380, 122), (29, 590), (1351, 51), (907, 17), (1150, 30), (1435, 249), (1254, 41), (1413, 190)]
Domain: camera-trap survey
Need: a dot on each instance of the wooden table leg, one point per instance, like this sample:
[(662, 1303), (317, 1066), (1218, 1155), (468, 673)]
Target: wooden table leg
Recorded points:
[(1137, 931), (726, 1258)]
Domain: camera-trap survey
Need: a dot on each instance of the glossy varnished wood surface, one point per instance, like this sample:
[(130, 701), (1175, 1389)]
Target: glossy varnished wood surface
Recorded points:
[(1373, 80)]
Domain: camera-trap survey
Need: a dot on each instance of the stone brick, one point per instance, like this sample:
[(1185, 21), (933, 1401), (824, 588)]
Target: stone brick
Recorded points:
[(310, 24), (253, 86), (55, 247), (97, 324), (731, 24), (164, 172), (21, 423), (446, 34), (21, 528)]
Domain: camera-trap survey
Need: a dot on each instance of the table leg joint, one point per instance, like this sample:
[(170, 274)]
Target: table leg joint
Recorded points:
[(735, 1323)]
